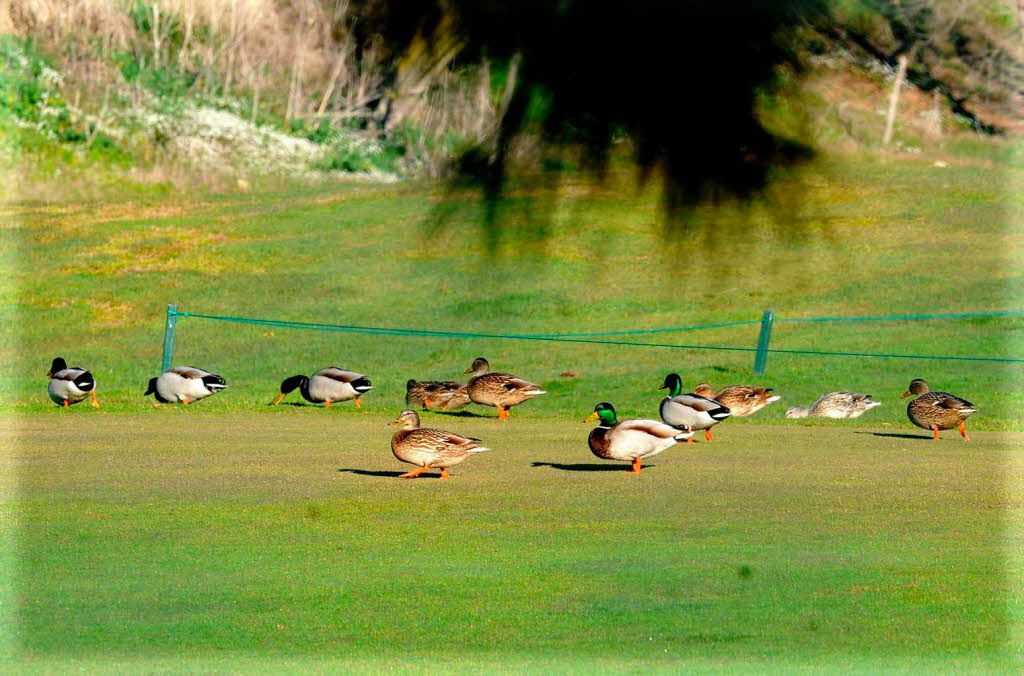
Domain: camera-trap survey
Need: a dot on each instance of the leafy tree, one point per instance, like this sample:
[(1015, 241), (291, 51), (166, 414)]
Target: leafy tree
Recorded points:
[(679, 80)]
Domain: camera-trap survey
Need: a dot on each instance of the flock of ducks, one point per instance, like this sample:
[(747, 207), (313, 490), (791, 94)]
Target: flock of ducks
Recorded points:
[(631, 440)]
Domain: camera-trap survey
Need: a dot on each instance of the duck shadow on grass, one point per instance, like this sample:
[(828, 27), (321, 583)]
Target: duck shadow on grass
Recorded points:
[(586, 466), (390, 473), (897, 435), (461, 414)]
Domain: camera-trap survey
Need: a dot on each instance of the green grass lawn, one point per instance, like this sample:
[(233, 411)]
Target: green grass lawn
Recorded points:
[(233, 535), (181, 541)]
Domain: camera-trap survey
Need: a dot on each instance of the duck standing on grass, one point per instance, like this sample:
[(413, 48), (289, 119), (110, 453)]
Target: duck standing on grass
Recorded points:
[(742, 400), (501, 390), (70, 385), (937, 410), (837, 405), (430, 447), (632, 439), (446, 395), (326, 386), (184, 384), (690, 411)]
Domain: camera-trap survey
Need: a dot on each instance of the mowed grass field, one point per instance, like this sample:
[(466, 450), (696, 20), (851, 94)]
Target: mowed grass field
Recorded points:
[(251, 541), (92, 282), (235, 535)]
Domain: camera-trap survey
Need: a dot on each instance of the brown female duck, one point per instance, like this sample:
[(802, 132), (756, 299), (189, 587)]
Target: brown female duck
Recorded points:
[(429, 447), (446, 395), (937, 410), (501, 390), (742, 400), (837, 405)]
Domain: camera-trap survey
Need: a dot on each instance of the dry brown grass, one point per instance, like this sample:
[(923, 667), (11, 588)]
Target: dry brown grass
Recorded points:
[(297, 58)]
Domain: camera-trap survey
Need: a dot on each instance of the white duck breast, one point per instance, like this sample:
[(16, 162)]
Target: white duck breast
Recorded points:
[(185, 384), (640, 438), (73, 384), (693, 411), (335, 384)]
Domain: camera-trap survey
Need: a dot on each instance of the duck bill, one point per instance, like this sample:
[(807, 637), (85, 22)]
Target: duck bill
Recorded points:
[(469, 370), (393, 423), (278, 399), (905, 395), (662, 387), (592, 417)]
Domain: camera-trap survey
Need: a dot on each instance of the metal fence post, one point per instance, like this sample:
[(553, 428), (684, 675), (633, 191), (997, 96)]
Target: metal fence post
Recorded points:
[(762, 341), (172, 319)]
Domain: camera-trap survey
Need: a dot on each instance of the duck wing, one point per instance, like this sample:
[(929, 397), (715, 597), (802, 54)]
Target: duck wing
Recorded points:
[(652, 428), (953, 403), (339, 374), (702, 404)]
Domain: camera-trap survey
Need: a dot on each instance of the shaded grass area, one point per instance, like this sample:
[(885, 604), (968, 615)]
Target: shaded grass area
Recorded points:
[(183, 539)]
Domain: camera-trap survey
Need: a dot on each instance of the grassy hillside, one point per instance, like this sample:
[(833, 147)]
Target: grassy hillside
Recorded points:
[(90, 282)]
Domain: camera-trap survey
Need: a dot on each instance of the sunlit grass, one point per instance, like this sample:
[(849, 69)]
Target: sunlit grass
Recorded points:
[(177, 538)]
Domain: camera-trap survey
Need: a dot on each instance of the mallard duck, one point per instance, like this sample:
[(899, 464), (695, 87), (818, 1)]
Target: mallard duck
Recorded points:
[(502, 390), (429, 447), (70, 385), (742, 400), (184, 384), (445, 395), (326, 386), (632, 439), (937, 410), (835, 405), (690, 411)]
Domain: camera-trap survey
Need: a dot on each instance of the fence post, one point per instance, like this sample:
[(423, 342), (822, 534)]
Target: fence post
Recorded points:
[(762, 341), (172, 319)]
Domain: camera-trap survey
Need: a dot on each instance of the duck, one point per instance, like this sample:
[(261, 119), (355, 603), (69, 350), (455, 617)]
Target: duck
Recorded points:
[(501, 390), (937, 410), (632, 439), (443, 395), (70, 385), (742, 400), (326, 386), (184, 384), (429, 447), (690, 411), (838, 405)]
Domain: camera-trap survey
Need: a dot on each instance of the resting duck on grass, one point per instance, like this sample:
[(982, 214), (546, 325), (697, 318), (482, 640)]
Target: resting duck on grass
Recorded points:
[(444, 395), (429, 447), (184, 385), (632, 439), (838, 405), (501, 390), (937, 410), (327, 385), (690, 411), (70, 384), (742, 400)]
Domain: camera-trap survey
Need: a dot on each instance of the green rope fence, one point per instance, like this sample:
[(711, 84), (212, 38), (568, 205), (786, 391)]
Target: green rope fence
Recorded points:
[(762, 349)]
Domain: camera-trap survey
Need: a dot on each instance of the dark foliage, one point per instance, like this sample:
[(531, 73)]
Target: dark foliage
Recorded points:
[(678, 80)]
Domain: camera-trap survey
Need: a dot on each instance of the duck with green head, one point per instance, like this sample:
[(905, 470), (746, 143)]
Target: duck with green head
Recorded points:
[(631, 439), (327, 385), (690, 411)]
